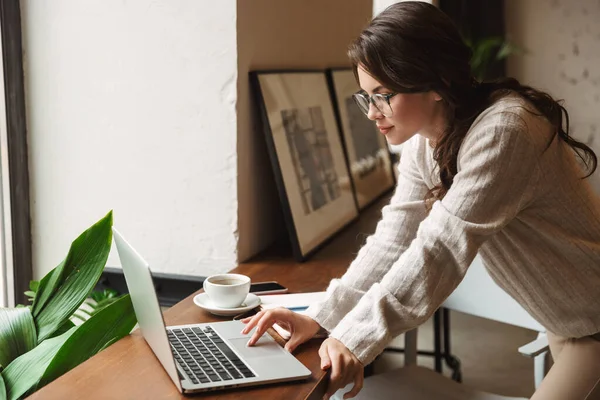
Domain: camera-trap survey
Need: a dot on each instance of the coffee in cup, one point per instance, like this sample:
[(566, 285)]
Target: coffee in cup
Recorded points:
[(227, 290)]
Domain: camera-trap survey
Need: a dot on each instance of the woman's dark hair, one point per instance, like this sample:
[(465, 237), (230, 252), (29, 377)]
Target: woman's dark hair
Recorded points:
[(413, 46)]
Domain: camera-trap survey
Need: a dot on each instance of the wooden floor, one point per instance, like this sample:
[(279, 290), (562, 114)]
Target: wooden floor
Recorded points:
[(487, 351)]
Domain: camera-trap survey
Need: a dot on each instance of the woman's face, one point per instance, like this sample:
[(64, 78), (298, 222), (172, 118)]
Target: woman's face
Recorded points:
[(412, 113)]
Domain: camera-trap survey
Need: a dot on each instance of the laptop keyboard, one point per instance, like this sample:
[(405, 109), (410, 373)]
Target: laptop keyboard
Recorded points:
[(205, 357)]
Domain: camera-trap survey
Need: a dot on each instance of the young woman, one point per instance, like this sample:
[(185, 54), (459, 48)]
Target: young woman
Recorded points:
[(487, 168)]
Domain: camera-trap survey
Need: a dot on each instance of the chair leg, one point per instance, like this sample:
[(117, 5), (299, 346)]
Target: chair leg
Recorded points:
[(441, 329), (410, 348), (437, 352), (437, 341), (369, 369), (451, 361)]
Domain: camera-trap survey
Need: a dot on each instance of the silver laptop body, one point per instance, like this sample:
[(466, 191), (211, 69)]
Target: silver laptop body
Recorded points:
[(202, 357)]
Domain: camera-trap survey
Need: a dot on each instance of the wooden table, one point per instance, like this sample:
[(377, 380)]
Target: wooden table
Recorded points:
[(129, 370)]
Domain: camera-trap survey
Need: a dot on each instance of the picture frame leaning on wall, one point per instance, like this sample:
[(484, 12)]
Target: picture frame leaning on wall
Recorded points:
[(303, 142), (367, 152)]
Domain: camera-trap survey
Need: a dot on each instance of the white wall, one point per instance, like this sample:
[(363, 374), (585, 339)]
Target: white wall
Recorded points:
[(131, 107), (563, 43)]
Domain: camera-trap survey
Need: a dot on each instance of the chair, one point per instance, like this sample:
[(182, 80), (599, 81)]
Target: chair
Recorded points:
[(476, 295)]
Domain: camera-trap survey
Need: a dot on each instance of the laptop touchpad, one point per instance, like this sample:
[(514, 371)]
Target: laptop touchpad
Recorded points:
[(262, 348)]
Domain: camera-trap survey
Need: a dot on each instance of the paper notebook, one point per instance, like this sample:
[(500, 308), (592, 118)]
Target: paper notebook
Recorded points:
[(297, 302)]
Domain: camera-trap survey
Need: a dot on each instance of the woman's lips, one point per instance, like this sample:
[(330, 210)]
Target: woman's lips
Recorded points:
[(384, 129)]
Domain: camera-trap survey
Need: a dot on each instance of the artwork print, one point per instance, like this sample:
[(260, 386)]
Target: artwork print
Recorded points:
[(307, 156)]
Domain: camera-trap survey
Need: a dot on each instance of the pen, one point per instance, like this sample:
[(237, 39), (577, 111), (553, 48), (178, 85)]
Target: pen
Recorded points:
[(301, 308)]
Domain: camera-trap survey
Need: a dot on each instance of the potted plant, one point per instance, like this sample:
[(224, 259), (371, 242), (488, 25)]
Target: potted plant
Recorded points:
[(40, 342), (487, 51)]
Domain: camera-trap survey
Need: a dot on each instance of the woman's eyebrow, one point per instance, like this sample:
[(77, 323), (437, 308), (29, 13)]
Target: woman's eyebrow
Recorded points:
[(378, 89)]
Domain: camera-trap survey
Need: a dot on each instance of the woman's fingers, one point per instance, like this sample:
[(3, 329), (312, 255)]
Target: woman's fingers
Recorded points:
[(265, 322), (293, 342), (345, 368), (251, 322), (324, 354), (359, 381), (337, 375), (301, 327), (332, 358)]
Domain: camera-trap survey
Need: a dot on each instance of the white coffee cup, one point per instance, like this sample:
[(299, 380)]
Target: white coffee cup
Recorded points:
[(227, 290)]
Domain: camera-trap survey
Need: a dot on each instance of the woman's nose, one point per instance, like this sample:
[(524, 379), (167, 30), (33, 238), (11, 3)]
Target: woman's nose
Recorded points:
[(374, 112)]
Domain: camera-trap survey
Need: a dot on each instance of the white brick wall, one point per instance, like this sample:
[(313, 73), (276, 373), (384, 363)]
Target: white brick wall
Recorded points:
[(563, 42)]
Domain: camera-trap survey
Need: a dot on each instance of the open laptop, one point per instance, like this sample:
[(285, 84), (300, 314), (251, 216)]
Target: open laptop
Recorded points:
[(207, 356)]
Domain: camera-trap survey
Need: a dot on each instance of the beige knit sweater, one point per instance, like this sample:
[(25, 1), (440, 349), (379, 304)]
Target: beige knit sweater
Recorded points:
[(516, 201)]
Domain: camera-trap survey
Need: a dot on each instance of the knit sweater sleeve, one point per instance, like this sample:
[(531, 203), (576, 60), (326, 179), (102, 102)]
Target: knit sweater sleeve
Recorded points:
[(394, 232), (496, 167)]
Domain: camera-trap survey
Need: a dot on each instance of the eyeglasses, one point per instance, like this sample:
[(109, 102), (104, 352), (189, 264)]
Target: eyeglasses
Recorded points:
[(380, 101)]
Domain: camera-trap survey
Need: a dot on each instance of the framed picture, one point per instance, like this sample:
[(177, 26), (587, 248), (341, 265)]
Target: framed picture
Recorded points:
[(307, 156), (366, 149)]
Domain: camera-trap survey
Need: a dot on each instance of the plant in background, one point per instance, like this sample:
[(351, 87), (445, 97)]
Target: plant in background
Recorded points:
[(97, 300), (488, 50), (40, 342)]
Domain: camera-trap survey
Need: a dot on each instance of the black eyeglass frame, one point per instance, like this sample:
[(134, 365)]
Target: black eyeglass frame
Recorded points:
[(370, 100)]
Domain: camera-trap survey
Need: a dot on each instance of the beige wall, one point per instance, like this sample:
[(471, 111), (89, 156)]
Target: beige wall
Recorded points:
[(275, 34), (563, 42)]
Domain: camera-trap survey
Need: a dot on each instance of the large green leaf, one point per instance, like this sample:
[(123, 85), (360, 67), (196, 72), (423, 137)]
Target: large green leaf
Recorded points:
[(17, 334), (2, 389), (25, 372), (68, 285), (104, 328), (46, 287), (68, 324), (56, 356)]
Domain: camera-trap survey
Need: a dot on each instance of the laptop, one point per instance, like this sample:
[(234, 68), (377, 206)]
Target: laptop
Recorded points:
[(207, 356)]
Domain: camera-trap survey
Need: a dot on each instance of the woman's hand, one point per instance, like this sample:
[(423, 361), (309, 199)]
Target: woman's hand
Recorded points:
[(345, 368), (301, 327)]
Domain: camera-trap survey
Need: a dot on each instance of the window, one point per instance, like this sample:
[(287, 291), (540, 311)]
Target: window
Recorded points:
[(15, 227)]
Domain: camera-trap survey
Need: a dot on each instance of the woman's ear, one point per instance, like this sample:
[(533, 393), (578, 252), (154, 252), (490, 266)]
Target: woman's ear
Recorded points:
[(436, 96)]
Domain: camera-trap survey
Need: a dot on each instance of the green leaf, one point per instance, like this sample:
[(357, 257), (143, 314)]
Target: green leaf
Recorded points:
[(58, 355), (109, 343), (68, 285), (509, 48), (17, 334), (33, 285), (104, 303), (99, 295), (24, 373), (103, 328), (2, 389), (46, 288), (68, 324), (30, 295), (483, 54)]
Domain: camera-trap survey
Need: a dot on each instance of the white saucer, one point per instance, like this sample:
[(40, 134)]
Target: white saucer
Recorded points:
[(202, 301)]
